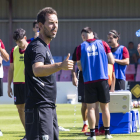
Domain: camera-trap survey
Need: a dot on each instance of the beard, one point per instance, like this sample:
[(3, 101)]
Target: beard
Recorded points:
[(110, 43), (46, 33)]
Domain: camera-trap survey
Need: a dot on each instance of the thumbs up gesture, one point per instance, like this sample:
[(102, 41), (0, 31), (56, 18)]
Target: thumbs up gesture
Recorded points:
[(67, 64)]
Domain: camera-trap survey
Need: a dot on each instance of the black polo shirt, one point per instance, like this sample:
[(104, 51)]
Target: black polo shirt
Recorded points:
[(80, 78), (41, 91)]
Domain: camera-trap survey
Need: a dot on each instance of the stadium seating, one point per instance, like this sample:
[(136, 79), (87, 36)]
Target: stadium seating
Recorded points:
[(130, 69), (69, 58), (65, 75), (130, 77), (138, 69), (130, 72), (138, 77), (57, 59), (57, 74), (138, 73), (5, 70)]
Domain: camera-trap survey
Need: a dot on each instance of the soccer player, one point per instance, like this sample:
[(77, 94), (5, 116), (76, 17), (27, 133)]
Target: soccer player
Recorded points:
[(16, 73), (40, 112), (80, 83), (35, 30), (3, 55), (121, 56), (92, 59)]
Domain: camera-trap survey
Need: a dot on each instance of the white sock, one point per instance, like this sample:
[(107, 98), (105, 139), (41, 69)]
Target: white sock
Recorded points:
[(85, 122)]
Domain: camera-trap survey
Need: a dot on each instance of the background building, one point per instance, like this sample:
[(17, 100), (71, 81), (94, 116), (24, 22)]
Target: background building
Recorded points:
[(100, 15)]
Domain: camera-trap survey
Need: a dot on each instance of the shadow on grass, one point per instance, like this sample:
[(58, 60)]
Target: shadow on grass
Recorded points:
[(13, 132), (19, 134), (74, 128), (69, 134), (73, 139)]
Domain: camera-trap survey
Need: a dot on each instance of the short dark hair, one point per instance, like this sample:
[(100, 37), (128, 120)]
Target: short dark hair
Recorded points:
[(86, 30), (34, 23), (95, 35), (19, 34), (42, 14), (114, 33)]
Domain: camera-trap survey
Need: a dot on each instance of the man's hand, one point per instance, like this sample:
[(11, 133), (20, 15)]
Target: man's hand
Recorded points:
[(0, 61), (138, 49), (10, 93), (123, 61), (112, 90), (75, 81), (67, 64)]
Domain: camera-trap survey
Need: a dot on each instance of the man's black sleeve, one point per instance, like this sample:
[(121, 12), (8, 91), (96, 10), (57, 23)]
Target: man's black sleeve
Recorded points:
[(74, 55), (38, 54)]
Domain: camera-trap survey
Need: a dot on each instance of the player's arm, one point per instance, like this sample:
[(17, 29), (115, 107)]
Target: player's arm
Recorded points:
[(113, 82), (41, 70), (3, 52), (74, 77), (110, 58), (123, 61), (10, 78), (0, 61), (79, 65), (109, 53)]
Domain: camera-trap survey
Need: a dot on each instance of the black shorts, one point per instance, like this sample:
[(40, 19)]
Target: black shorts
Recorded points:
[(97, 92), (81, 95), (1, 87), (41, 123), (19, 94), (120, 84)]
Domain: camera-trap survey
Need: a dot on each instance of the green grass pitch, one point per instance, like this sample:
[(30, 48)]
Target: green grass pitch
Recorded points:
[(13, 130)]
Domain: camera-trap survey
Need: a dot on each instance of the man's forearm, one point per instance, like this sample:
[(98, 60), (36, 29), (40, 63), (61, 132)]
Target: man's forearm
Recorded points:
[(113, 82), (4, 54), (122, 62), (0, 61), (73, 71), (10, 76), (73, 75), (46, 70), (79, 65)]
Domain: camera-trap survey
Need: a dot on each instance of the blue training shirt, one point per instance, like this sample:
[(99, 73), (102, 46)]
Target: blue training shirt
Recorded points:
[(94, 61)]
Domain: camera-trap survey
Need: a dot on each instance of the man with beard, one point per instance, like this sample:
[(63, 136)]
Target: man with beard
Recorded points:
[(40, 112), (35, 30), (121, 56)]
